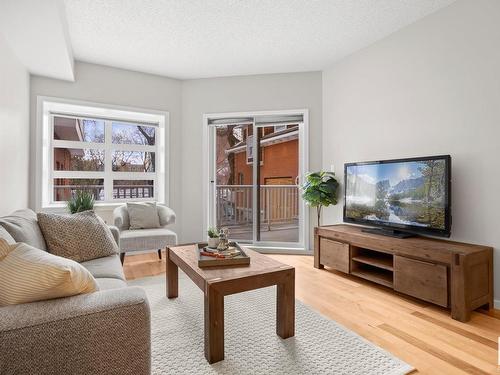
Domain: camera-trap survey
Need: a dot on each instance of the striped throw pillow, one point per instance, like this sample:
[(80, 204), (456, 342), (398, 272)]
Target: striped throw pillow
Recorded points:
[(28, 274)]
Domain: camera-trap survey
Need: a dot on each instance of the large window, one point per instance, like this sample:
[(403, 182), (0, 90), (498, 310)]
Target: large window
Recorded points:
[(118, 157)]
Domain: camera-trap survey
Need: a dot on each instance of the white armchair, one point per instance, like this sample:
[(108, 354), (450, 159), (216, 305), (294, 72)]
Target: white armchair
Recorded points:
[(144, 239)]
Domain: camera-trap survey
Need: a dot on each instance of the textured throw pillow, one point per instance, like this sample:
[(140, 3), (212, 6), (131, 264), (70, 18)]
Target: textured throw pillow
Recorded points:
[(23, 227), (28, 274), (80, 237), (143, 215)]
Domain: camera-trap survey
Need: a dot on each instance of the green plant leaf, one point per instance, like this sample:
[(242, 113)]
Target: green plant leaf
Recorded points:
[(213, 232), (81, 201), (320, 189)]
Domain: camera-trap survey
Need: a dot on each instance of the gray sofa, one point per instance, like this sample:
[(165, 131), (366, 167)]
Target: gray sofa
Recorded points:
[(106, 332)]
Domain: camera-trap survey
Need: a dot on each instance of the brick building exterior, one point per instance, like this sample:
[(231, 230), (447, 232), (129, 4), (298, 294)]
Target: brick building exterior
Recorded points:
[(279, 158)]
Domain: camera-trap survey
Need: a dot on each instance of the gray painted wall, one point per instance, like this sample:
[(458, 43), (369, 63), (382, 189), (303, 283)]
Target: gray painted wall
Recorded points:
[(430, 88), (187, 101), (102, 84), (14, 131), (239, 94)]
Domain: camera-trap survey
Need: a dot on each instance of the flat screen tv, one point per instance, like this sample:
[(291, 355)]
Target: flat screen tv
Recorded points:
[(401, 197)]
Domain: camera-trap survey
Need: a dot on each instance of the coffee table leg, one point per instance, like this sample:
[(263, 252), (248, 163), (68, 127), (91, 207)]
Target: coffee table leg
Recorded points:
[(285, 307), (172, 277), (214, 325)]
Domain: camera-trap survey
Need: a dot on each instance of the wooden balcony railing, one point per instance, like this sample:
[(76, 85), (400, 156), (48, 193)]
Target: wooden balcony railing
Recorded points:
[(65, 192), (279, 204), (136, 191)]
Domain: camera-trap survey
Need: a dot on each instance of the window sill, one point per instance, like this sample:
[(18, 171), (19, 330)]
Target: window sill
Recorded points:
[(98, 207)]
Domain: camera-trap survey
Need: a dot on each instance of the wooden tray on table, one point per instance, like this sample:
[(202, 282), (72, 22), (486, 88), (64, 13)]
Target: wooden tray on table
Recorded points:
[(210, 261)]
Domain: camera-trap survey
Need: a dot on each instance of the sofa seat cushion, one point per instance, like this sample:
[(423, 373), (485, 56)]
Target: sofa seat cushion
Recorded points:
[(22, 225), (147, 239), (106, 283), (108, 267)]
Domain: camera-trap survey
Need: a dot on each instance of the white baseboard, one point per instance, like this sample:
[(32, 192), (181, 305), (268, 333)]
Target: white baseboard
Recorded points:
[(497, 303), (284, 251)]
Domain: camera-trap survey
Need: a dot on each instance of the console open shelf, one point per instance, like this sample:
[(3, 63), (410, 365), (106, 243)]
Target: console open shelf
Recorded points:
[(377, 275), (374, 258), (372, 265)]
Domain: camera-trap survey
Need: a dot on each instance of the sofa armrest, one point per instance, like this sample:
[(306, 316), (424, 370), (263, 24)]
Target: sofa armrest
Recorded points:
[(166, 214), (116, 234), (120, 218), (106, 332)]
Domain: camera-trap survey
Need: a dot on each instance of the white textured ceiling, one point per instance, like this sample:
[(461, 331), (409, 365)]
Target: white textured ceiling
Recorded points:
[(210, 38)]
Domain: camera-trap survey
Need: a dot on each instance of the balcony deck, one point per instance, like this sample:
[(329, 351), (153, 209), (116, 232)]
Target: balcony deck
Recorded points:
[(278, 233), (279, 212)]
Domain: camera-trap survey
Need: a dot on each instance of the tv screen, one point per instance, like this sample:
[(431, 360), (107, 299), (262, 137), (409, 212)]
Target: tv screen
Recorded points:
[(405, 194)]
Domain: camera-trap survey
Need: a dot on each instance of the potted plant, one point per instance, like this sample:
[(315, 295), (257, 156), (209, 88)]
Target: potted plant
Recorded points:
[(320, 190), (213, 237), (81, 201)]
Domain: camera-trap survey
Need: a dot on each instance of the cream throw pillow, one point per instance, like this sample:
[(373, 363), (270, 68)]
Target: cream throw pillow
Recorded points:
[(143, 215), (28, 274)]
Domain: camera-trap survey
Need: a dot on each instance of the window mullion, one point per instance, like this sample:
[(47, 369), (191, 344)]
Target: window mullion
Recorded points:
[(108, 167)]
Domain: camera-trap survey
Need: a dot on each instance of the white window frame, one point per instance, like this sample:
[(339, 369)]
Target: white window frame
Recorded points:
[(209, 186), (48, 108)]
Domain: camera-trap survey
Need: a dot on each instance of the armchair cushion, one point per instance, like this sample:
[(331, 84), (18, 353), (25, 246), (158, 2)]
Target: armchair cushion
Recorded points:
[(80, 237), (143, 215), (147, 239)]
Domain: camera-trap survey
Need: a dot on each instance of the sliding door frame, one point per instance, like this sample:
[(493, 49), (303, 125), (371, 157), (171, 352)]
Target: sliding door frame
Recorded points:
[(209, 183)]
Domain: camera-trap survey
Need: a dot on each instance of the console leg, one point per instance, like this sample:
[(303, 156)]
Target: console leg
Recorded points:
[(317, 264), (460, 304)]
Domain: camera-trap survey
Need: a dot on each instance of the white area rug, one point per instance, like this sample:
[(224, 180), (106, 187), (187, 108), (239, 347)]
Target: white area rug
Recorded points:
[(320, 345)]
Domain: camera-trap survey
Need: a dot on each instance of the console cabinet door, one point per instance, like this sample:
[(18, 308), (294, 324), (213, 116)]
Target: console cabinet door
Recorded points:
[(420, 279), (334, 254)]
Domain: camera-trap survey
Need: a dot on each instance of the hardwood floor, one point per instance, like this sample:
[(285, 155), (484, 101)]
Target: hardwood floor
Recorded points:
[(421, 334)]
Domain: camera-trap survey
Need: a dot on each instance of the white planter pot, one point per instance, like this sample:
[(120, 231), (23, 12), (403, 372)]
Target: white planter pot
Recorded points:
[(213, 242)]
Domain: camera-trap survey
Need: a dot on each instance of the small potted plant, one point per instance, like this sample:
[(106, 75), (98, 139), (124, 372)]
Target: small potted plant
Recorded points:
[(213, 238), (81, 201)]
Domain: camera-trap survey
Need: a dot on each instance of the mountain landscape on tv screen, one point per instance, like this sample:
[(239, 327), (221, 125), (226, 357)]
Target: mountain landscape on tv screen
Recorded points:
[(409, 193)]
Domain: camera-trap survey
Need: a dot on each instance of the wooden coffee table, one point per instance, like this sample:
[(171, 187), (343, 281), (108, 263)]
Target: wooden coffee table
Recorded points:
[(217, 282)]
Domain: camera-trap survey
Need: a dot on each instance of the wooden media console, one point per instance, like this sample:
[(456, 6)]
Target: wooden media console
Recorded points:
[(450, 274)]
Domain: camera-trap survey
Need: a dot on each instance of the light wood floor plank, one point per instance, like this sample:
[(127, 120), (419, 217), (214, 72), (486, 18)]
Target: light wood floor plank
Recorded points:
[(436, 352), (460, 331)]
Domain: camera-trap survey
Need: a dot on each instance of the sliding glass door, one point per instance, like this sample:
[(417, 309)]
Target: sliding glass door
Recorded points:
[(233, 181), (256, 164)]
